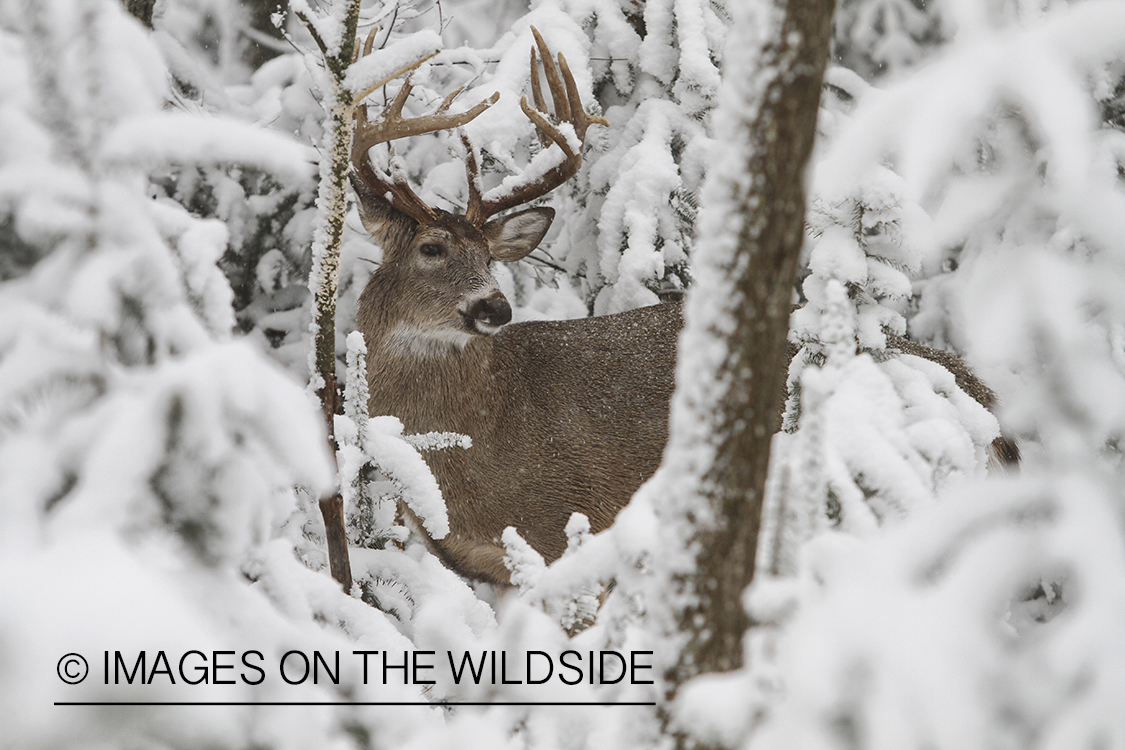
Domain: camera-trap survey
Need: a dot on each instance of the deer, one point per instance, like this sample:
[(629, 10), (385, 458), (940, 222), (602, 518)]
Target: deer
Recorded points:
[(564, 416)]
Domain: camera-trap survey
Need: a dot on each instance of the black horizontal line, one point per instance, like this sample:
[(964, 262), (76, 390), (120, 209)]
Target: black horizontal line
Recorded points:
[(353, 703)]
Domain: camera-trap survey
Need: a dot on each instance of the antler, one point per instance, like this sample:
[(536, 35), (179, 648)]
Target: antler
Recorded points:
[(390, 125), (568, 109)]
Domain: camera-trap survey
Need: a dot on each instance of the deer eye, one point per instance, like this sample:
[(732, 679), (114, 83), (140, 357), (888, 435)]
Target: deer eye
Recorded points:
[(432, 250)]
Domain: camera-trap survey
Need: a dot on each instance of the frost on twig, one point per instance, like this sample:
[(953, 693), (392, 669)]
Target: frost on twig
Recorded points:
[(380, 466), (522, 560), (438, 441), (579, 607), (569, 593)]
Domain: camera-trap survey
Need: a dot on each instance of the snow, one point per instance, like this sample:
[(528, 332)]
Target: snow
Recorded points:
[(402, 463), (159, 139), (886, 660), (159, 469), (379, 442), (382, 65), (524, 562), (643, 176), (838, 255)]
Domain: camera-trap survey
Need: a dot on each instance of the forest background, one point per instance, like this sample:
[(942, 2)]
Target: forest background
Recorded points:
[(161, 458)]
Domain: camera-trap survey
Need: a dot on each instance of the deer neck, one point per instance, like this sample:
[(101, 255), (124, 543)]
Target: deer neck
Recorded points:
[(432, 383)]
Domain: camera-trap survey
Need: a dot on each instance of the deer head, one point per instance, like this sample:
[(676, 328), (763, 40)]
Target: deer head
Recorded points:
[(435, 277)]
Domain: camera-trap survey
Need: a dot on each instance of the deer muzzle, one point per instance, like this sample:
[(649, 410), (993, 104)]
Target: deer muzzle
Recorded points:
[(488, 314)]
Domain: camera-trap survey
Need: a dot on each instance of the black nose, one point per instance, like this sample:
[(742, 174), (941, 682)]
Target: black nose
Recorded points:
[(494, 310)]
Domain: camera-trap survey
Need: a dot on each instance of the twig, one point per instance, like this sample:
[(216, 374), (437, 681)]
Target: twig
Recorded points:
[(265, 40)]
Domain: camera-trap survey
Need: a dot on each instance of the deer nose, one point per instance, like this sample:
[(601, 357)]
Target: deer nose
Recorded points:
[(494, 311)]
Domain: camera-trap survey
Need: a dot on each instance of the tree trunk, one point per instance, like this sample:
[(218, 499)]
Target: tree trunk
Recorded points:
[(733, 355), (332, 204)]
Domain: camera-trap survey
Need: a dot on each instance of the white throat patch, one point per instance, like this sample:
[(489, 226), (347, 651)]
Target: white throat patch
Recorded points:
[(422, 342)]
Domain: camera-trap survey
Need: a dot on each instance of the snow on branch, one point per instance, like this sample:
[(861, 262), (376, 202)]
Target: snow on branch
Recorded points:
[(156, 140), (382, 66)]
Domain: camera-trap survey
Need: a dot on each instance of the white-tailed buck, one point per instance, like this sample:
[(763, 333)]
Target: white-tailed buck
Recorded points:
[(564, 416)]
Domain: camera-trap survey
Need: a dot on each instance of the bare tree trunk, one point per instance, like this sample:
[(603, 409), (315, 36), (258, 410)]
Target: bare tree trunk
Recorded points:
[(332, 203), (733, 355)]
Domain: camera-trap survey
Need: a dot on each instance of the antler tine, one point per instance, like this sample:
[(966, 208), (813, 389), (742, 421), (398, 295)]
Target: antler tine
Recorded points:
[(444, 106), (558, 93), (472, 171), (370, 41), (393, 113), (568, 108), (367, 133), (390, 125), (536, 84), (537, 95), (580, 120), (547, 131)]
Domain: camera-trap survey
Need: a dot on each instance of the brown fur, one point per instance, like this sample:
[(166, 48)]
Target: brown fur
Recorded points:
[(538, 454), (565, 416)]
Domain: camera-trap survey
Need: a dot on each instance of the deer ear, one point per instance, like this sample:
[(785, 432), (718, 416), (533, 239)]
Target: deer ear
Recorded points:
[(513, 236)]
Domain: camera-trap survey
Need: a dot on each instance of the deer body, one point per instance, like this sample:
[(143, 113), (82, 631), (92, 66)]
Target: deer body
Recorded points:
[(564, 416)]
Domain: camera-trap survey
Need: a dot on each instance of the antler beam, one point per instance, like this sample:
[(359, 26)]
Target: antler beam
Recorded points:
[(390, 125), (568, 109)]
